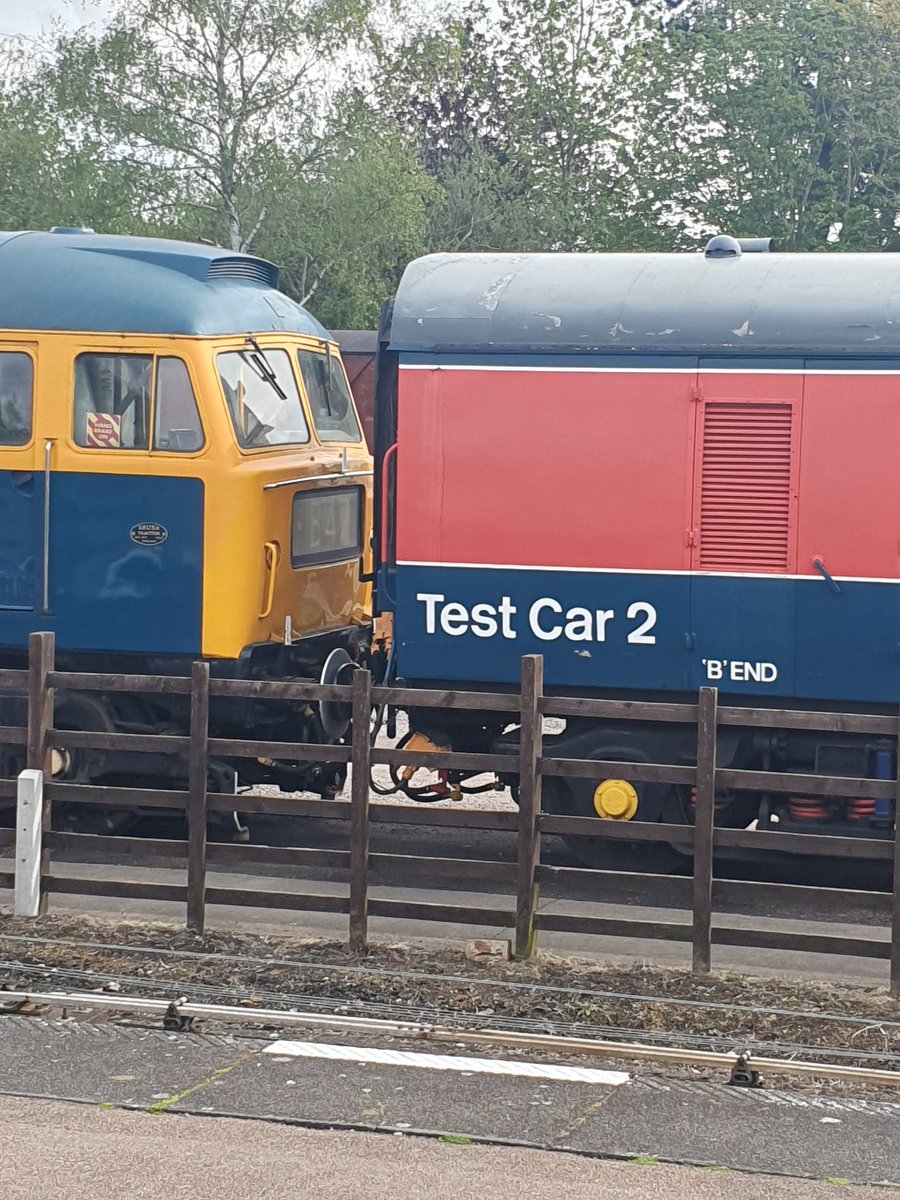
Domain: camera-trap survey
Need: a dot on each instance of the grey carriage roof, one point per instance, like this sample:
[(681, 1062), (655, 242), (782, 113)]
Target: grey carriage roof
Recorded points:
[(826, 304)]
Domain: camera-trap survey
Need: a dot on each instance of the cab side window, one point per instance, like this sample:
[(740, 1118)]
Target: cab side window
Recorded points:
[(16, 398), (176, 425), (112, 401), (329, 397), (119, 396)]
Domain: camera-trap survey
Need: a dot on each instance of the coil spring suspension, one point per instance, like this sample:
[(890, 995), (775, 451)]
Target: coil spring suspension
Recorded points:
[(808, 808), (860, 807)]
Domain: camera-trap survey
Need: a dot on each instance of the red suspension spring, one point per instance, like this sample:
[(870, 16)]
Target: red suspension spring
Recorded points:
[(860, 807), (808, 808)]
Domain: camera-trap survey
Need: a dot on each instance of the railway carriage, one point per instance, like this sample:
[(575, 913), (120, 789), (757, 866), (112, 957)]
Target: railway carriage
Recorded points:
[(659, 471), (182, 476)]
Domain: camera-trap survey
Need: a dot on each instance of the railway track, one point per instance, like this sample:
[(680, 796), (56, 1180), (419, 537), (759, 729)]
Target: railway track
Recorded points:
[(745, 1064), (334, 996), (75, 981)]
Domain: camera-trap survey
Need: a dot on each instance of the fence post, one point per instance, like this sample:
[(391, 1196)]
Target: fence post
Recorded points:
[(895, 918), (29, 814), (528, 850), (41, 657), (359, 811), (198, 758), (703, 830)]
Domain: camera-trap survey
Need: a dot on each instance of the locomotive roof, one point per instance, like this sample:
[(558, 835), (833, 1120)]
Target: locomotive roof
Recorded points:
[(80, 281), (824, 304)]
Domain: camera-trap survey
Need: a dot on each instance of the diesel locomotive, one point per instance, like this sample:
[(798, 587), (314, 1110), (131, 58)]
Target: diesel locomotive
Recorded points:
[(182, 475), (659, 471)]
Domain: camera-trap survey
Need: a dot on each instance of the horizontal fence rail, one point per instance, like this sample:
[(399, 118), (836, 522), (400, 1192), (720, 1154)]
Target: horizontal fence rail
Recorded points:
[(527, 765)]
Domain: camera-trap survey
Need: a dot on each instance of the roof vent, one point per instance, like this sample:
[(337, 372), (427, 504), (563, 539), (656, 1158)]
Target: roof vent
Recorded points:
[(252, 270), (723, 246), (757, 245), (71, 229)]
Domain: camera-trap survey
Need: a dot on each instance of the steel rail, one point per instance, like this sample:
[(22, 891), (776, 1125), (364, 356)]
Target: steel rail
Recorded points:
[(181, 1010), (428, 1014), (475, 981)]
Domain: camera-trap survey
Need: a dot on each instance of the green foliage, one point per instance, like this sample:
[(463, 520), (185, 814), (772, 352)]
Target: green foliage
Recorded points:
[(439, 87), (568, 80), (342, 138), (344, 234), (584, 124), (522, 118), (48, 176), (213, 93), (780, 116)]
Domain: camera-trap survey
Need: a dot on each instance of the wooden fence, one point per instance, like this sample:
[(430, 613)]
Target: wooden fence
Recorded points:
[(523, 878)]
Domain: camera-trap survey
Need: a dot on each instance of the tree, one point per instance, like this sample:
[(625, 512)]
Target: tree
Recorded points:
[(438, 86), (781, 117), (344, 233), (568, 80), (526, 112), (52, 174), (211, 94)]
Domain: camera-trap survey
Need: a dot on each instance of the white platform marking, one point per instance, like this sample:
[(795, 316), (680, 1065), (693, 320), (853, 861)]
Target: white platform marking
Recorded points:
[(447, 1062)]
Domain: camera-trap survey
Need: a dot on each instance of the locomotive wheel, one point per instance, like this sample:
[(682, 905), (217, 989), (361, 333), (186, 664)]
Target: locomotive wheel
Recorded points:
[(575, 798), (75, 710)]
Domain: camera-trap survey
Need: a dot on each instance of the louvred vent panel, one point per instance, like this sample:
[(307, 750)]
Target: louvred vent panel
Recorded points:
[(745, 487), (253, 270)]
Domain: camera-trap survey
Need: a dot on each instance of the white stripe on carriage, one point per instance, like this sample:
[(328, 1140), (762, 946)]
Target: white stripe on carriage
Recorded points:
[(814, 578), (624, 369)]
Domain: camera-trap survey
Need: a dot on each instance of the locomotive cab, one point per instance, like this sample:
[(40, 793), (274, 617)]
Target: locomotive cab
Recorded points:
[(182, 475)]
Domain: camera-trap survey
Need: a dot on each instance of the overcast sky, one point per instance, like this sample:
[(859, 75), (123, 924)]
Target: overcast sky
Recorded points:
[(17, 17)]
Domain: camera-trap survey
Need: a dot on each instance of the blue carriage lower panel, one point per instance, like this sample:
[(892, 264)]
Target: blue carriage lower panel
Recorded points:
[(744, 633), (595, 629), (125, 566), (848, 641), (750, 635), (797, 637), (21, 502)]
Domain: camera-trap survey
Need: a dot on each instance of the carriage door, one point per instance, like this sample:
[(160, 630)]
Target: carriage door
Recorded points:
[(744, 531), (21, 486)]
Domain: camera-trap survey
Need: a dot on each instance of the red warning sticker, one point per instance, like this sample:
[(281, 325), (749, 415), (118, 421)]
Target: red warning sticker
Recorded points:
[(104, 430)]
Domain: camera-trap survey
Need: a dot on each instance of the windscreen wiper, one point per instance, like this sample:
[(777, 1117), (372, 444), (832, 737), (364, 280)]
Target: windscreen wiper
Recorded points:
[(262, 367), (329, 379)]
